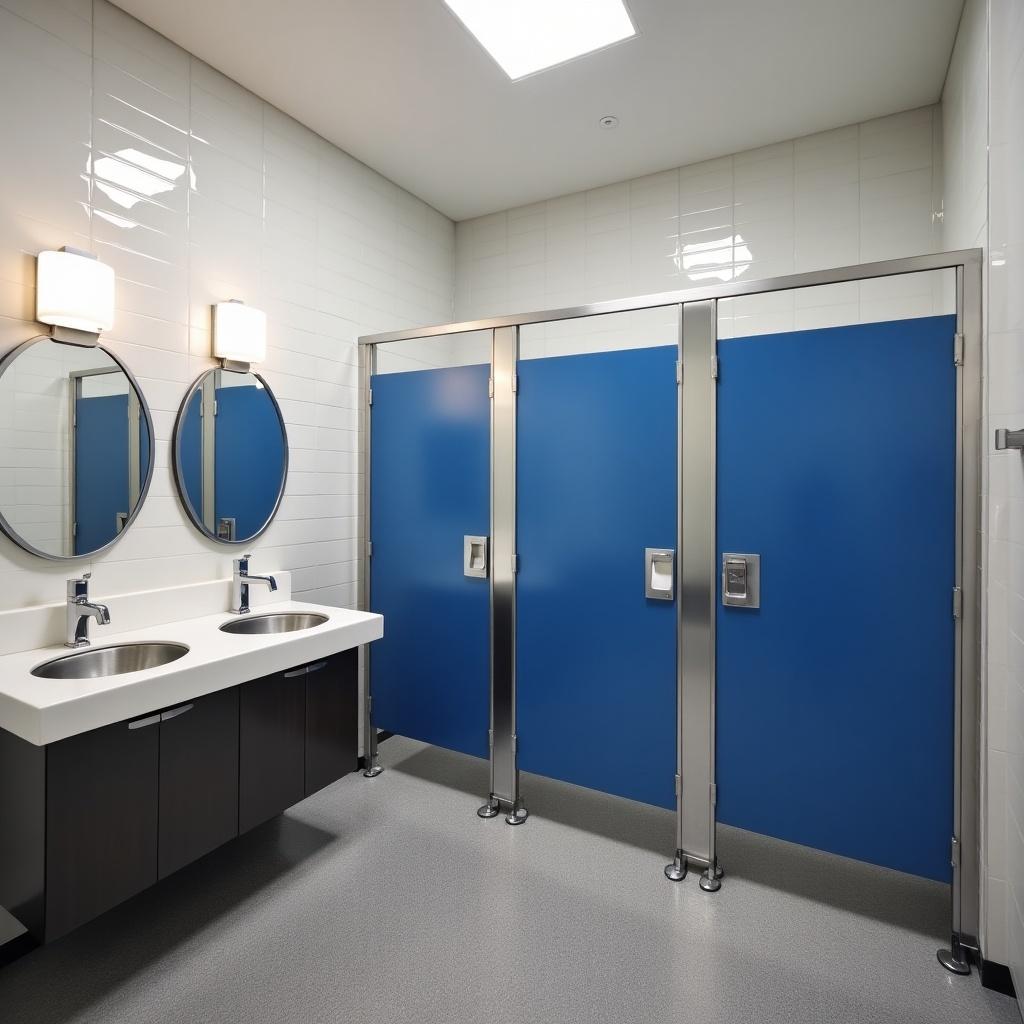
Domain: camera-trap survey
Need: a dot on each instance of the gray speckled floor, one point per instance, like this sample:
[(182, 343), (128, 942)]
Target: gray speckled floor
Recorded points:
[(388, 900)]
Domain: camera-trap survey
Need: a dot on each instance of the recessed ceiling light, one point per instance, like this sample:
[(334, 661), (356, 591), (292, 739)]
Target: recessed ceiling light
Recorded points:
[(525, 36)]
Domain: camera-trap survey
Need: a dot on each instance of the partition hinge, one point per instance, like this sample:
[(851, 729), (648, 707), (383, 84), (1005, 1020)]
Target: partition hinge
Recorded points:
[(679, 371), (515, 744), (954, 852), (515, 383), (714, 795), (369, 549), (369, 396), (515, 564), (958, 603), (679, 785), (215, 407), (490, 739), (714, 367), (958, 350), (490, 387)]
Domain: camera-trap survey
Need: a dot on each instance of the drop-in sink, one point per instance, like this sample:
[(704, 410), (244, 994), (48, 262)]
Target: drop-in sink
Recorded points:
[(276, 622), (97, 662)]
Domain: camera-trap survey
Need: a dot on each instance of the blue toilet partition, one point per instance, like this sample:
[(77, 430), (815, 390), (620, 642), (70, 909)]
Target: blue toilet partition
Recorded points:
[(101, 468), (429, 488), (250, 450), (595, 658), (835, 699)]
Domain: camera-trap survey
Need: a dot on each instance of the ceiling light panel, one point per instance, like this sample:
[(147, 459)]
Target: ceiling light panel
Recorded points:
[(526, 36)]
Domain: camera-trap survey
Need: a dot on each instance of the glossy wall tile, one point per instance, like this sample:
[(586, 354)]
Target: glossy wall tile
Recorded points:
[(859, 193), (195, 191)]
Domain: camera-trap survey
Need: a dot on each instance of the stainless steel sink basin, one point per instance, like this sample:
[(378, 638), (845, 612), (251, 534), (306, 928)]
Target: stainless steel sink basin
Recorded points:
[(97, 662), (276, 622)]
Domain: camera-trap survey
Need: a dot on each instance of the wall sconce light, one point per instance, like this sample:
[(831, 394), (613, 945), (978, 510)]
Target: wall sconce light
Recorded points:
[(74, 295), (239, 335)]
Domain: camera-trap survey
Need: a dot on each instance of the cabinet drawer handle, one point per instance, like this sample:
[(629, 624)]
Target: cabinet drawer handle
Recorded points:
[(295, 672), (141, 723), (174, 712), (316, 666)]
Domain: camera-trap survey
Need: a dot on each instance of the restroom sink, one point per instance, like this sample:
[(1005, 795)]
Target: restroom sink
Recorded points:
[(276, 622), (97, 662)]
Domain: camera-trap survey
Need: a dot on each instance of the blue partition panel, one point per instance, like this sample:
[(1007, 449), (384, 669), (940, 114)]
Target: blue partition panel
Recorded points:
[(836, 463), (250, 451), (430, 487), (596, 675), (101, 469)]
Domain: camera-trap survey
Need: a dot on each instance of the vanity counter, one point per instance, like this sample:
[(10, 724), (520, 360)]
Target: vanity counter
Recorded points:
[(44, 711)]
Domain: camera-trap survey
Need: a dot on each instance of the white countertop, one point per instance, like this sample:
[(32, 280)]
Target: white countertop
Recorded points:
[(45, 710)]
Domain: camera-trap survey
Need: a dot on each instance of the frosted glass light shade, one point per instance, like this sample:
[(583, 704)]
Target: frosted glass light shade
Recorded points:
[(74, 291), (239, 332)]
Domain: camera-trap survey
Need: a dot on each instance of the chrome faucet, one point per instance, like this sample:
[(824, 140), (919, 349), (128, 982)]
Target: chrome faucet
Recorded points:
[(80, 609), (240, 581)]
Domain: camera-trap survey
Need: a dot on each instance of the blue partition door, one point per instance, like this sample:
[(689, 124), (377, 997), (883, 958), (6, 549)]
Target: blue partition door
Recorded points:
[(837, 463), (596, 678), (101, 469), (430, 487), (250, 451)]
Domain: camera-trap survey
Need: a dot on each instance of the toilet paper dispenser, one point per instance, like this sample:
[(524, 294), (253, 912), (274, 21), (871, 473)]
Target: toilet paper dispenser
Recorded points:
[(474, 557), (659, 574)]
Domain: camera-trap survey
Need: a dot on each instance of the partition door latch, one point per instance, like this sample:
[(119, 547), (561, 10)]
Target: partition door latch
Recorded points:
[(474, 557), (659, 574), (741, 580)]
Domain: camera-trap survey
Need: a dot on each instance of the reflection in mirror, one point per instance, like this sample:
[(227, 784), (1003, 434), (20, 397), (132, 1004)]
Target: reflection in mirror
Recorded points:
[(230, 455), (76, 448)]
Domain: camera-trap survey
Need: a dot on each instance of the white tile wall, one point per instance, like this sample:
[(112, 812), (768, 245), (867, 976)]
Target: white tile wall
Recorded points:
[(195, 191), (983, 110), (855, 194), (1006, 485), (1006, 406)]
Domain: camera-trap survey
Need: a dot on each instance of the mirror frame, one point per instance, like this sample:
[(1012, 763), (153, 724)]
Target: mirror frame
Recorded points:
[(195, 517), (5, 527)]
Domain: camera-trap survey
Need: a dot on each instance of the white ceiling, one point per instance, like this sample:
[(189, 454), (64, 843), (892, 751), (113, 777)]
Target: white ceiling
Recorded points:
[(401, 85)]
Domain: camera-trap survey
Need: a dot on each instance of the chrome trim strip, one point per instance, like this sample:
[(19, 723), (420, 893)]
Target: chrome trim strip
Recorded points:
[(732, 289)]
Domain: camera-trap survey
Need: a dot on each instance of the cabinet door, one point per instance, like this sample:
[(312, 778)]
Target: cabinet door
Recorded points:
[(101, 821), (198, 778), (332, 719), (272, 727)]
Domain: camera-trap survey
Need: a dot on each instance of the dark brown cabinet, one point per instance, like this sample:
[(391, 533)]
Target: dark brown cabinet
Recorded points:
[(272, 725), (332, 726), (198, 778), (91, 820), (101, 820)]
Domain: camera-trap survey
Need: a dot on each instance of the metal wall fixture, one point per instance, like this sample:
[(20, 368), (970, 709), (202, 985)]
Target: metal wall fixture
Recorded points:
[(659, 574), (1009, 439), (698, 567)]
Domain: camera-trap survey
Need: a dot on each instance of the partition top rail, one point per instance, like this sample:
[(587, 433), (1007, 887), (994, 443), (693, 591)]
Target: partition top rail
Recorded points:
[(730, 290)]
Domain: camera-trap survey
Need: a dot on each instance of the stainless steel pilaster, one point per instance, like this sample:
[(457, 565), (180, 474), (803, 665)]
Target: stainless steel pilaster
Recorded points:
[(368, 738), (966, 925), (697, 574), (504, 768)]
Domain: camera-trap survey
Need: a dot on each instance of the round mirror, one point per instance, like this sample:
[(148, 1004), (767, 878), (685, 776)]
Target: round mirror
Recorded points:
[(230, 455), (76, 448)]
